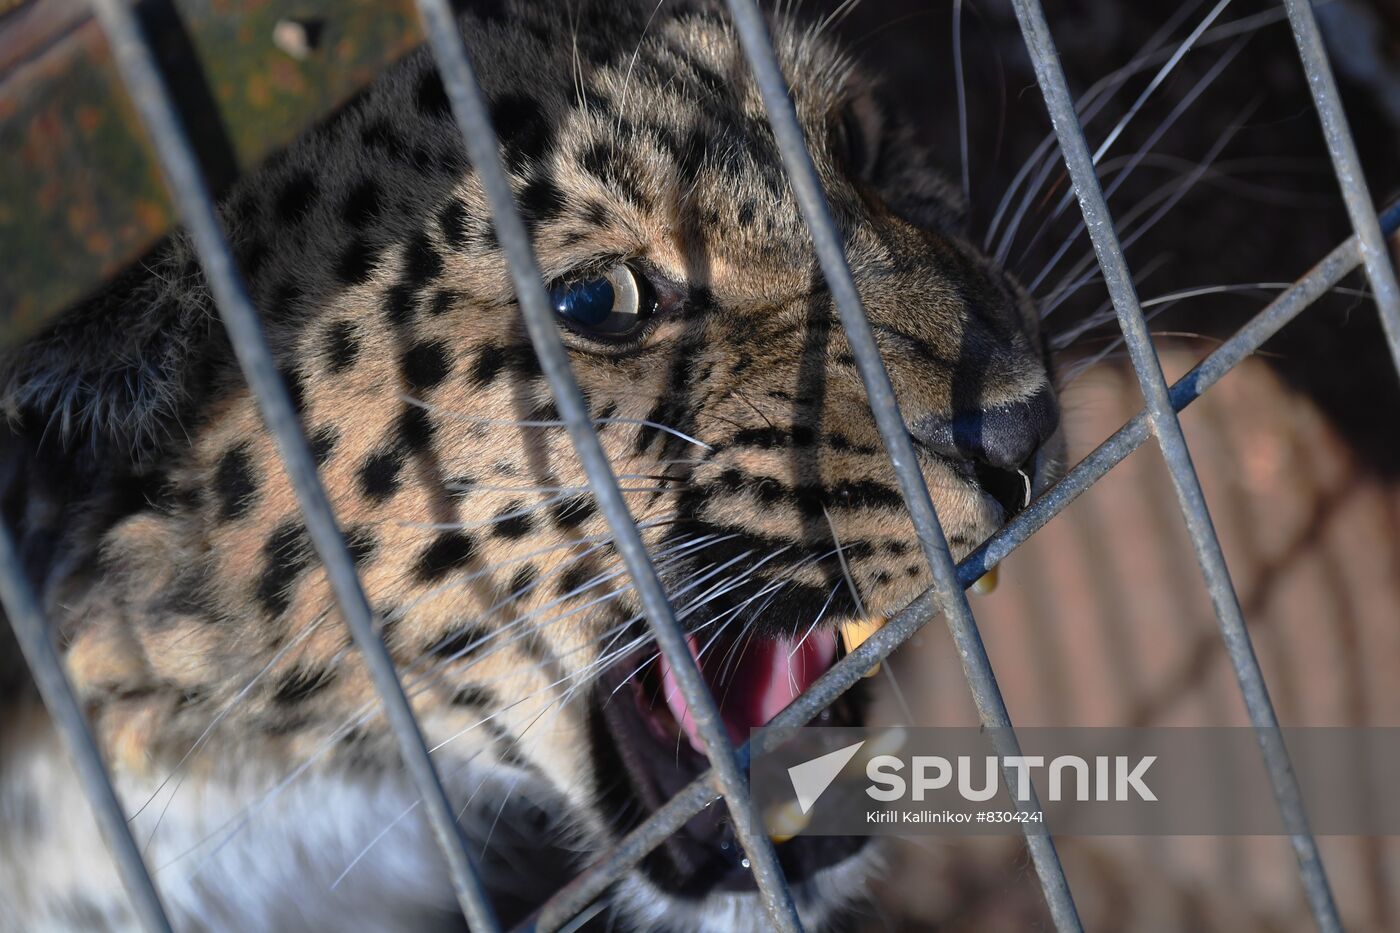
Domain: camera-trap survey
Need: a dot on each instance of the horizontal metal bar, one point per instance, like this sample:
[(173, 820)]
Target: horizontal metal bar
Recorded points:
[(811, 200), (595, 880), (473, 118), (151, 97), (36, 643), (1347, 163), (1163, 421)]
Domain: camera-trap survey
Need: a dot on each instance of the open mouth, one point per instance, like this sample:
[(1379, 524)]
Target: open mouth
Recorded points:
[(647, 748)]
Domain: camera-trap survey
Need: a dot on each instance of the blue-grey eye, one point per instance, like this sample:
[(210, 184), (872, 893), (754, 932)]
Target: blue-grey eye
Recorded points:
[(608, 305)]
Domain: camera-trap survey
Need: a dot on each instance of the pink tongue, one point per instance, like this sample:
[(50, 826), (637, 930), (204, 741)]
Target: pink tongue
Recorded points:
[(754, 687)]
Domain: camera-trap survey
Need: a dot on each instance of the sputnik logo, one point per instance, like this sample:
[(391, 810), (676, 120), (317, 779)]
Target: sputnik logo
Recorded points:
[(811, 778)]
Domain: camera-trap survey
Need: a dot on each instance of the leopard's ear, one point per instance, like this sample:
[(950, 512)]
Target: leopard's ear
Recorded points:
[(114, 377)]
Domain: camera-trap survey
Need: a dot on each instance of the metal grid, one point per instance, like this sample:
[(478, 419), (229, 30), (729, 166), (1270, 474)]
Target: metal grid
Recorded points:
[(148, 90)]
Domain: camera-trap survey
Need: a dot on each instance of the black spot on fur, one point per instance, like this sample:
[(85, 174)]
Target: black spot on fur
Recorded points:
[(356, 262), (302, 684), (459, 641), (451, 550), (251, 257), (323, 443), (443, 301), (235, 483), (767, 438), (286, 554), (296, 390), (414, 428), (282, 305), (540, 202), (431, 97), (452, 218), (843, 443), (512, 522), (605, 161), (547, 412), (381, 136), (342, 347), (572, 580), (523, 580), (362, 204), (477, 697), (522, 360), (296, 197), (425, 365), (399, 304), (573, 511), (489, 363), (523, 129), (379, 474), (422, 263), (596, 214), (361, 541), (675, 406), (746, 211)]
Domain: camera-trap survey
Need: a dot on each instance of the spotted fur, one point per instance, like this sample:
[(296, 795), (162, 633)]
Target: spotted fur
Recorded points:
[(196, 619)]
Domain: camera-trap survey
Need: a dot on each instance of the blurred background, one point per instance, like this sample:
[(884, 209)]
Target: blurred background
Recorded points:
[(1220, 183)]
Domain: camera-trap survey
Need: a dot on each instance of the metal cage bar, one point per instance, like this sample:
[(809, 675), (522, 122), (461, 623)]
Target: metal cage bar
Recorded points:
[(1158, 418), (593, 881), (899, 445), (151, 98), (1171, 441), (473, 119), (1347, 165), (36, 644)]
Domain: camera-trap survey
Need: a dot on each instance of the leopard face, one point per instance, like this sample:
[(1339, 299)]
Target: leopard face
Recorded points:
[(196, 618)]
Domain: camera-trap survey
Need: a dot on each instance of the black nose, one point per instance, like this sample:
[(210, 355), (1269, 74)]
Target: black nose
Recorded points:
[(1004, 437)]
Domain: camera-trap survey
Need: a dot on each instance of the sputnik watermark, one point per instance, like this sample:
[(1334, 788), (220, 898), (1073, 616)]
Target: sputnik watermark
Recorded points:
[(1164, 781), (1114, 778)]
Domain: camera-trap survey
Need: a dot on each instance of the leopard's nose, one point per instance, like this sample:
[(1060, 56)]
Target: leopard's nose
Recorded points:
[(1004, 437)]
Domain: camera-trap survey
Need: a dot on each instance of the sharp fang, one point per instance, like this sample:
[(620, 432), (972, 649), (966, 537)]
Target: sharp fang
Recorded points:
[(855, 633), (785, 820), (986, 583)]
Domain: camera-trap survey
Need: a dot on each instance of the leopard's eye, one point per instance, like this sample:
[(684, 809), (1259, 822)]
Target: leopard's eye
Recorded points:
[(613, 305)]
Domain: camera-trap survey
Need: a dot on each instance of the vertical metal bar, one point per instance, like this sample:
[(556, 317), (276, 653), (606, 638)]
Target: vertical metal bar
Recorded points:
[(151, 98), (36, 643), (1163, 421), (472, 115), (1342, 147), (1336, 265), (811, 199)]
